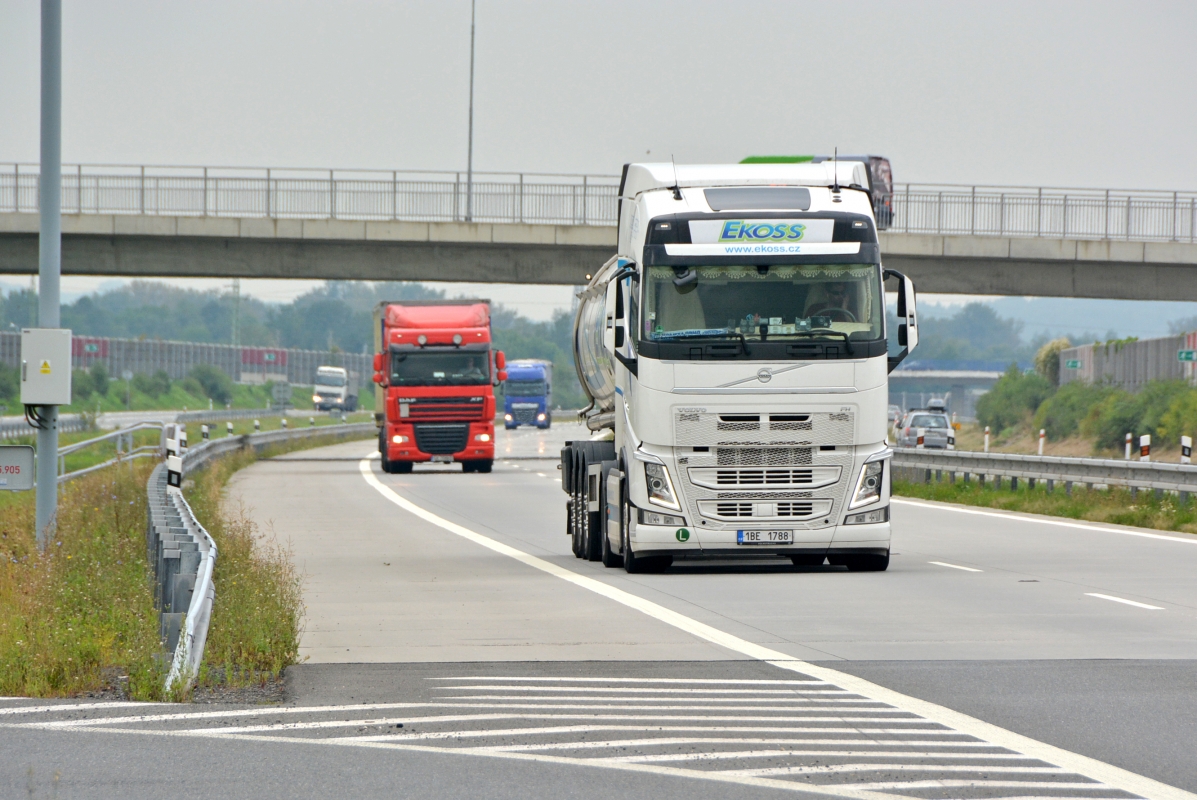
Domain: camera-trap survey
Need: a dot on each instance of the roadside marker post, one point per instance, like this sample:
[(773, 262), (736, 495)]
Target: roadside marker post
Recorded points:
[(919, 441), (311, 422), (986, 438), (228, 426), (1186, 449), (283, 422), (258, 425), (1042, 439), (1129, 437), (204, 432), (1145, 447)]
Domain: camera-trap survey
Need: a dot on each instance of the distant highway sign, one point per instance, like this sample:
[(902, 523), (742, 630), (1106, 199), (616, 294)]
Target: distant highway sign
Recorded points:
[(1186, 355), (1072, 363)]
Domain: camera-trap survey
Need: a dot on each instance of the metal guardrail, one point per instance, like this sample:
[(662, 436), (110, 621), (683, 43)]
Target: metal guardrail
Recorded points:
[(918, 465), (952, 209), (67, 423), (183, 554), (121, 435)]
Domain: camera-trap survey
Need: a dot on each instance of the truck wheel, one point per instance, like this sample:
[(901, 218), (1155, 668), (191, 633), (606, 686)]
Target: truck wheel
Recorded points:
[(382, 455), (867, 563), (638, 564), (467, 466), (483, 466), (611, 558), (401, 467)]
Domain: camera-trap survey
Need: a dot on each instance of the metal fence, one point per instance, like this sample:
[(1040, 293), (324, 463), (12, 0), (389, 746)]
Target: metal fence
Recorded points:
[(176, 359), (1130, 364), (1130, 215), (319, 194), (921, 465)]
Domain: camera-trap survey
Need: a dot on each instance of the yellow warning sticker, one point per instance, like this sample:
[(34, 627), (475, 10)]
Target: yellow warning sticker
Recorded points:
[(45, 368)]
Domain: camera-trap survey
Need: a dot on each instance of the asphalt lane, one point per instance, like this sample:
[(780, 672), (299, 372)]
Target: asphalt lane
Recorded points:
[(1079, 637)]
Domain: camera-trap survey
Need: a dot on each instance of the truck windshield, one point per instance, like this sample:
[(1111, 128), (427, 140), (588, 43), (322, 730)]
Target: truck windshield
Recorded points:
[(330, 380), (440, 369), (523, 388), (834, 300)]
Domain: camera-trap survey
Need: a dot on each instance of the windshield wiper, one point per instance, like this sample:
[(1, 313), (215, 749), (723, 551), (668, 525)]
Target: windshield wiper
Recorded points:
[(708, 335), (823, 332)]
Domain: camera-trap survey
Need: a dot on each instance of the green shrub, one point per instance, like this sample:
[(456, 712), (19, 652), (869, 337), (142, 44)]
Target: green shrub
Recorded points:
[(1012, 399), (1047, 359), (1121, 413), (81, 386), (99, 379), (1180, 419), (1062, 413), (216, 384), (192, 387), (154, 385)]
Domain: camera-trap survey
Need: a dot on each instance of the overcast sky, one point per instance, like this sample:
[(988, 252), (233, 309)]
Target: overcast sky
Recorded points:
[(1086, 94)]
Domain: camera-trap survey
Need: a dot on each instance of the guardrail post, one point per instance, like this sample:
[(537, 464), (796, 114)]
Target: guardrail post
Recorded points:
[(1068, 488), (1013, 483), (1051, 486)]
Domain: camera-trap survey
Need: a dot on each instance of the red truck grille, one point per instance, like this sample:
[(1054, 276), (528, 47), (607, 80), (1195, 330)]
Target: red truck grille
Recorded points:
[(453, 409)]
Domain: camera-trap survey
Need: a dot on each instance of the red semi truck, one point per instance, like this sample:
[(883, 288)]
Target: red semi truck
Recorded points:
[(435, 373)]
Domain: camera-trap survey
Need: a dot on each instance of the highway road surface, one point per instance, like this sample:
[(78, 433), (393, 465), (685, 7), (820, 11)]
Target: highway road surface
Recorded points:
[(456, 648)]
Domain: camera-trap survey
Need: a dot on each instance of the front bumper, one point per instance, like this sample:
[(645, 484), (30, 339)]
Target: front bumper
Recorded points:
[(832, 540), (474, 449)]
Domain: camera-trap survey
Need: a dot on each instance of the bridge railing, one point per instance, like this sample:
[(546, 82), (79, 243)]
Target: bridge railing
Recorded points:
[(1045, 212), (426, 196), (320, 194)]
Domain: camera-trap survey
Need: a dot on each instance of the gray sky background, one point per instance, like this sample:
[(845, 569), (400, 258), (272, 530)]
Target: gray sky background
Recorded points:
[(1087, 94)]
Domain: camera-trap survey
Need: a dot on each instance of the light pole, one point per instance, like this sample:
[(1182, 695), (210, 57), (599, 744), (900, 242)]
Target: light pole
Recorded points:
[(49, 254), (470, 154)]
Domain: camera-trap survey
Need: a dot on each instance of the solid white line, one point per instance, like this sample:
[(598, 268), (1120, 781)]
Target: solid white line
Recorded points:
[(1122, 600), (837, 768), (661, 742), (244, 712), (720, 681), (630, 690), (725, 755), (1083, 765), (69, 707), (952, 784), (953, 566), (906, 732), (791, 703), (1042, 520)]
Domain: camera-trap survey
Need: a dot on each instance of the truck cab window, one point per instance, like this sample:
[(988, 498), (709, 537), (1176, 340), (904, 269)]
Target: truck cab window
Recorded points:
[(440, 369), (770, 301)]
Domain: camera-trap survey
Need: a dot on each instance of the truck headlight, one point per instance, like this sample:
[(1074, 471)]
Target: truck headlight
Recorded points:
[(481, 437), (507, 417), (315, 398), (868, 486), (660, 488), (540, 417), (398, 439)]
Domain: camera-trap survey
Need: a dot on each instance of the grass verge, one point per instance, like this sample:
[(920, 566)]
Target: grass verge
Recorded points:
[(80, 618), (1116, 506)]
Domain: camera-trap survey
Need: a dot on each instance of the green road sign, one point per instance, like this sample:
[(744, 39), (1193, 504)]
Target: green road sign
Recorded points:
[(1072, 363), (1186, 355)]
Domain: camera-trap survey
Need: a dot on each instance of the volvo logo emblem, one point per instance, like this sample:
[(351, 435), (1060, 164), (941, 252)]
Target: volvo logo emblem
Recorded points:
[(764, 375)]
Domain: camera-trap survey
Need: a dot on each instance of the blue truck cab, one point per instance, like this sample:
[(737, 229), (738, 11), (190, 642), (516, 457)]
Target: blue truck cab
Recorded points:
[(528, 393)]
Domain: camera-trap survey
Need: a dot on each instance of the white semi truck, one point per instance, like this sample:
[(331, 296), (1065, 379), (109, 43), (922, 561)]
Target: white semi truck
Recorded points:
[(735, 354), (332, 390)]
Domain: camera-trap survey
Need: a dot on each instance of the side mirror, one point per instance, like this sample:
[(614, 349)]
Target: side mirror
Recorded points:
[(378, 362), (379, 378), (502, 375), (501, 362), (908, 335)]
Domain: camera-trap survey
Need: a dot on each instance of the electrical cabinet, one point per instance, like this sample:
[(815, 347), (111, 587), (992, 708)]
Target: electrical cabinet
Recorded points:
[(45, 366)]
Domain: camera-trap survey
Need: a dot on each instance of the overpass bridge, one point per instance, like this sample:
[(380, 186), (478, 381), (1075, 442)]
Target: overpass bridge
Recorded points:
[(555, 229)]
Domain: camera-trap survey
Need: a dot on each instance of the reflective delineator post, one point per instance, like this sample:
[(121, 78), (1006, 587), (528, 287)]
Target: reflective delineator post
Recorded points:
[(1042, 439), (228, 426), (1129, 437), (986, 438), (1145, 447), (311, 422), (258, 427), (918, 442), (283, 423), (204, 432), (1186, 449)]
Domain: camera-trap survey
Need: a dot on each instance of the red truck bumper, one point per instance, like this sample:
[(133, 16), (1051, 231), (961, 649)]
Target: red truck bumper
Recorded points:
[(403, 441)]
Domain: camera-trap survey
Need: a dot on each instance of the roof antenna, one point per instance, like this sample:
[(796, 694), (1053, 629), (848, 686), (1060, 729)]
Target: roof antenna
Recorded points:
[(835, 169), (677, 192)]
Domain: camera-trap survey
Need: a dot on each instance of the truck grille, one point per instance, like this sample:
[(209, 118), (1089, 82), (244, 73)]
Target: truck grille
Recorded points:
[(762, 456), (442, 440), (443, 408), (773, 477), (524, 416), (747, 509)]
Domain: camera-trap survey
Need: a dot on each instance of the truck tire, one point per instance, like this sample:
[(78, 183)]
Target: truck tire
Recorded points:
[(484, 465), (382, 453), (611, 559), (400, 467), (869, 562), (631, 562)]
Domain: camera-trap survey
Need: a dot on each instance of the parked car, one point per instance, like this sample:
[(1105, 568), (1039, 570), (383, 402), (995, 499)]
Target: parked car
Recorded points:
[(893, 414), (937, 430)]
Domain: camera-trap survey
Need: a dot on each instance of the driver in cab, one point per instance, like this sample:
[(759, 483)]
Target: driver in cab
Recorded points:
[(835, 302)]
